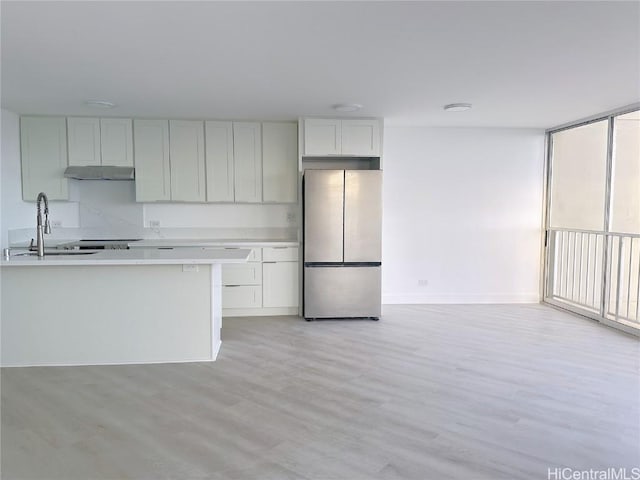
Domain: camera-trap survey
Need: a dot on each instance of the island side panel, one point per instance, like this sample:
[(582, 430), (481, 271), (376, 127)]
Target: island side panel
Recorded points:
[(88, 315), (216, 309)]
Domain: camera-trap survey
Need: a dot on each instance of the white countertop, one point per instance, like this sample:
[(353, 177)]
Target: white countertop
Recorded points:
[(253, 237), (209, 242), (174, 256)]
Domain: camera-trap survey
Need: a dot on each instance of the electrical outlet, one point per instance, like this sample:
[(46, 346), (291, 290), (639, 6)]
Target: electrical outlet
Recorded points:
[(190, 268), (423, 283), (56, 223), (154, 223), (291, 217)]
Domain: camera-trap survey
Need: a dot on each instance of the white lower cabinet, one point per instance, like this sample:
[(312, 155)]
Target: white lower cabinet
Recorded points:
[(242, 283), (249, 273), (241, 296), (268, 284), (280, 284)]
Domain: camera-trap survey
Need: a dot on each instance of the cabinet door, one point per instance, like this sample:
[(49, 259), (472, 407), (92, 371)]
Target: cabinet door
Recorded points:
[(219, 161), (84, 141), (116, 142), (43, 142), (186, 143), (280, 162), (361, 138), (247, 154), (322, 137), (151, 148), (280, 284)]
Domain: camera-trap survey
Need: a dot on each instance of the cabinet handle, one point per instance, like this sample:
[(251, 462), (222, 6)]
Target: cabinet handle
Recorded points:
[(269, 262)]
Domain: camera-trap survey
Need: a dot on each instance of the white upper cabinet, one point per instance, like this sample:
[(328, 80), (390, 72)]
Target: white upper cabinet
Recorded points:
[(247, 150), (151, 148), (322, 136), (174, 160), (348, 137), (116, 142), (361, 138), (186, 140), (100, 141), (279, 162), (84, 141), (43, 142), (219, 161)]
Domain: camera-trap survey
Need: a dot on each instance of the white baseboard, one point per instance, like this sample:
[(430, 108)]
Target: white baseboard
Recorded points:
[(104, 364), (412, 298), (258, 312)]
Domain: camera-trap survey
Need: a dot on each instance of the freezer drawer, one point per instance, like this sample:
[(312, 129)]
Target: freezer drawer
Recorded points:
[(342, 292)]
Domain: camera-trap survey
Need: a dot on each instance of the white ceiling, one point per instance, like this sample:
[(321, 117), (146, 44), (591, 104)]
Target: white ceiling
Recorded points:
[(521, 64)]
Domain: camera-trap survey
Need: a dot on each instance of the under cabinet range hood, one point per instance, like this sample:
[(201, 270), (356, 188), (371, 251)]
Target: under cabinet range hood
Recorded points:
[(99, 172)]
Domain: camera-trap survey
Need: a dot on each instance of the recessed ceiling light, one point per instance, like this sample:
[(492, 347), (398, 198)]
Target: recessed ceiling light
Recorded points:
[(347, 107), (457, 107), (100, 104)]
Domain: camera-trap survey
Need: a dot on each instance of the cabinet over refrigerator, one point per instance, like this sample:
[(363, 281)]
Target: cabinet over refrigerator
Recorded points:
[(342, 243)]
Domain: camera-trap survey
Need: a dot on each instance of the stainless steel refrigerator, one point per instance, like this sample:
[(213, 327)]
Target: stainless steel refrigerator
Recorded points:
[(342, 243)]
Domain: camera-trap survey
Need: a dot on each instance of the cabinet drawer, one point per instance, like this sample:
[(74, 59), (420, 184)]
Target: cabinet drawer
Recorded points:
[(242, 296), (280, 254), (255, 256), (242, 274)]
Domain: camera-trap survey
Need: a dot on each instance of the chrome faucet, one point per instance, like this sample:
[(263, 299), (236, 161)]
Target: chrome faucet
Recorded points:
[(42, 229)]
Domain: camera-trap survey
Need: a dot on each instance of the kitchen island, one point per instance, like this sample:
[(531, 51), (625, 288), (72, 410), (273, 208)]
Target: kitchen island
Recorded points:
[(113, 306)]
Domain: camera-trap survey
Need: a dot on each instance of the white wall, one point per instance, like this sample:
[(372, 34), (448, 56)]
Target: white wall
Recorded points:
[(177, 215), (462, 211)]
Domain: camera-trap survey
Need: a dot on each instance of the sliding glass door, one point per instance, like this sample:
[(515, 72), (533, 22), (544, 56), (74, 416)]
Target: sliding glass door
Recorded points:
[(592, 262)]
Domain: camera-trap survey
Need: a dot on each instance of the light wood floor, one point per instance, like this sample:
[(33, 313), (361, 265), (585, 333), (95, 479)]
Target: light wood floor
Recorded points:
[(466, 392)]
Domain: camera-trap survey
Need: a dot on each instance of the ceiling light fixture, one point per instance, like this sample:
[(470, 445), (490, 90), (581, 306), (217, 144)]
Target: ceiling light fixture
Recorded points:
[(347, 107), (100, 104), (457, 107)]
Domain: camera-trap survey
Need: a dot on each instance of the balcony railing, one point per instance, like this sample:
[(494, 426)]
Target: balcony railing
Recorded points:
[(596, 272)]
